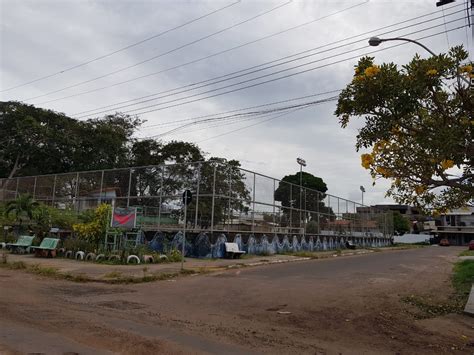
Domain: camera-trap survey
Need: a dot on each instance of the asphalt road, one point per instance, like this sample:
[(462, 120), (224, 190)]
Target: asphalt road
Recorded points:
[(348, 305)]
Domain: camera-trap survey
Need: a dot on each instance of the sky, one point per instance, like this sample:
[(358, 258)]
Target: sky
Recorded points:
[(90, 58)]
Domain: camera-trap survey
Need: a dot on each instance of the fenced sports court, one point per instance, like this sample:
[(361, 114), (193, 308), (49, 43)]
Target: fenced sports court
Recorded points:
[(226, 199)]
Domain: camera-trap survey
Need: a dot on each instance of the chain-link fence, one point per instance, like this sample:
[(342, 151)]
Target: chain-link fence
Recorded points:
[(226, 198)]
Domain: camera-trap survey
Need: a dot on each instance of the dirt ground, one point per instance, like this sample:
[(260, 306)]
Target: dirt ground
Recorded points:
[(349, 305)]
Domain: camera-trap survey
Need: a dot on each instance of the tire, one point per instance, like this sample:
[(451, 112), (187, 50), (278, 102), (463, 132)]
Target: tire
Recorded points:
[(133, 257)]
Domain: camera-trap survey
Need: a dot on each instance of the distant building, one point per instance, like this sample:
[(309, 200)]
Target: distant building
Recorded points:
[(456, 225), (413, 214)]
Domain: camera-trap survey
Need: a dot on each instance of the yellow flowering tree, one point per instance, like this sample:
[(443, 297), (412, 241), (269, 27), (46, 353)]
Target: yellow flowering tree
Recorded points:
[(419, 127), (94, 230)]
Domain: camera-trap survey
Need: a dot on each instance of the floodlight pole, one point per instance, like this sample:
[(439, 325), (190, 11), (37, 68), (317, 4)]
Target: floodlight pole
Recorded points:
[(302, 163)]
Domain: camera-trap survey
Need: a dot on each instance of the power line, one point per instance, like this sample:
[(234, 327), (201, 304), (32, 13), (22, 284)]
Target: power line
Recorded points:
[(246, 115), (371, 32), (205, 57), (252, 125), (122, 48), (246, 71), (270, 80), (241, 109), (164, 53)]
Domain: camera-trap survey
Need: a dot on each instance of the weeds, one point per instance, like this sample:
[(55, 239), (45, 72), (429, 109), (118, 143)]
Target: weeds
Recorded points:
[(467, 253), (462, 280)]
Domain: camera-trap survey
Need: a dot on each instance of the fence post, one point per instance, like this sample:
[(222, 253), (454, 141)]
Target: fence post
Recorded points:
[(291, 207), (16, 189), (317, 206), (230, 197), (197, 196), (161, 194), (76, 192), (274, 185), (213, 199), (253, 205), (54, 189), (34, 188), (101, 185), (129, 186)]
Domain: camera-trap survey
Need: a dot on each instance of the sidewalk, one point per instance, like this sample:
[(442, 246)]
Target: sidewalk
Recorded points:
[(90, 271), (469, 309)]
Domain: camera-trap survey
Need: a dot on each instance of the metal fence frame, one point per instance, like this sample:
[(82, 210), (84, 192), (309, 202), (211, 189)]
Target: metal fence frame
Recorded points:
[(64, 189)]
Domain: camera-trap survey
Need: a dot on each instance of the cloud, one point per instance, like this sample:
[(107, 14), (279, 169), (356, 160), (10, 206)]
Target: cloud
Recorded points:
[(42, 37)]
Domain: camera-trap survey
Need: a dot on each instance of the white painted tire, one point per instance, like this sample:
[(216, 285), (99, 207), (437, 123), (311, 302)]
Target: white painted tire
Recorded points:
[(68, 254), (163, 257), (148, 259), (80, 255), (3, 245), (90, 257), (133, 257), (100, 257)]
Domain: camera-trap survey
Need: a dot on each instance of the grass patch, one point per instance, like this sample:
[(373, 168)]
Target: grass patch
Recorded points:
[(462, 280), (43, 271), (467, 253), (463, 277), (113, 275)]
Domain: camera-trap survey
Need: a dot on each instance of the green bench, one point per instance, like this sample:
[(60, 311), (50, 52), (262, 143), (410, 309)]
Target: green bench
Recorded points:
[(23, 242), (47, 248)]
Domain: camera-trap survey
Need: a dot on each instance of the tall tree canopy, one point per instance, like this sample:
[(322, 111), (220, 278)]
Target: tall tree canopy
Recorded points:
[(419, 127), (288, 193), (37, 141)]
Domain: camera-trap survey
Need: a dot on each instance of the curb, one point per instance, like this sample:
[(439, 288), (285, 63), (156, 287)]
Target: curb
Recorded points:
[(260, 263)]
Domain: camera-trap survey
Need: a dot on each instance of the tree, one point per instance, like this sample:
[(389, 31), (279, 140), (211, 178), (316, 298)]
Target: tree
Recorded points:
[(419, 127), (37, 141), (22, 208), (401, 224), (289, 194), (95, 228)]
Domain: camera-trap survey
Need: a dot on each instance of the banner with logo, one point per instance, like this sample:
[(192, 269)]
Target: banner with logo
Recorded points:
[(124, 217)]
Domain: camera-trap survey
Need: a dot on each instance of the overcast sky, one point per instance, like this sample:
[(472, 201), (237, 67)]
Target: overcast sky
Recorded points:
[(41, 38)]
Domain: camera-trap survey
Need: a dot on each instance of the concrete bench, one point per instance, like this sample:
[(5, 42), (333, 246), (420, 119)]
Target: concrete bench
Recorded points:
[(47, 248), (232, 251), (23, 242)]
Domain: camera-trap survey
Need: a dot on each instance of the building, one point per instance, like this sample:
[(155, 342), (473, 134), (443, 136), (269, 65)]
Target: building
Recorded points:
[(456, 225)]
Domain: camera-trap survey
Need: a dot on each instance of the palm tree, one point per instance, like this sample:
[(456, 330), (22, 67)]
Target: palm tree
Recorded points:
[(22, 207)]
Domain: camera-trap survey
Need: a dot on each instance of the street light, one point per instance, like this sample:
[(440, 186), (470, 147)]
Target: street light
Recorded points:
[(302, 163), (375, 41), (362, 189)]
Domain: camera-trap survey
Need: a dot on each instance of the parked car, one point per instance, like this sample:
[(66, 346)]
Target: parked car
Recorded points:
[(444, 242), (471, 245)]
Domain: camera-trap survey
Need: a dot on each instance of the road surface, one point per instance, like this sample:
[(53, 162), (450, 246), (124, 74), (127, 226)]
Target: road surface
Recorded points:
[(348, 305)]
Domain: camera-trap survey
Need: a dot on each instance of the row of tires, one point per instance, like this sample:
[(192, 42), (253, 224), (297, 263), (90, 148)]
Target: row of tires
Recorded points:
[(131, 259)]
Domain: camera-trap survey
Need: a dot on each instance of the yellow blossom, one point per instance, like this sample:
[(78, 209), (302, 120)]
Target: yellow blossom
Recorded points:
[(420, 189), (466, 68), (366, 160), (446, 164), (372, 71), (383, 171), (432, 72)]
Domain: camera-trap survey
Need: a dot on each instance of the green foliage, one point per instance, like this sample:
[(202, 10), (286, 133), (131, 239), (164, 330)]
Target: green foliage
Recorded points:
[(419, 126), (467, 253), (463, 277), (22, 208), (401, 224), (82, 145), (94, 230), (289, 194)]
